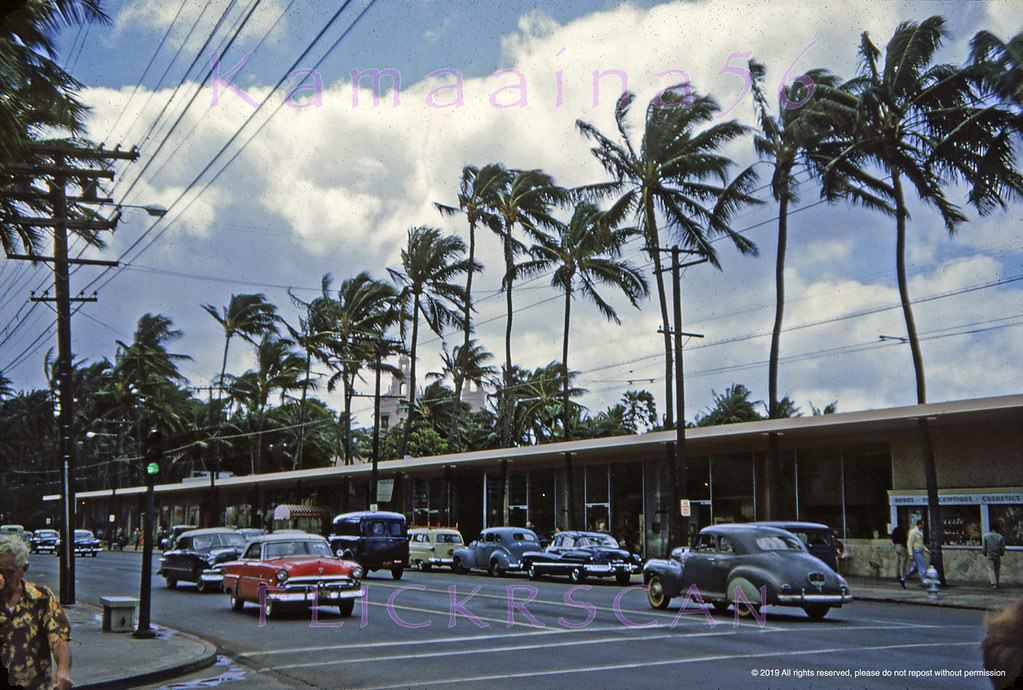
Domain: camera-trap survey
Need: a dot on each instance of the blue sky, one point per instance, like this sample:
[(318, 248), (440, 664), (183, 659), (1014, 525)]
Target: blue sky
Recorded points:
[(334, 188)]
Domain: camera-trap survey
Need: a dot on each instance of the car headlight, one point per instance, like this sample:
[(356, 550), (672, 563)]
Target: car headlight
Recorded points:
[(282, 575), (357, 572)]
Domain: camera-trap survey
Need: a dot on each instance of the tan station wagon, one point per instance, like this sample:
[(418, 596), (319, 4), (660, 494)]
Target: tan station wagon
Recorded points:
[(430, 546)]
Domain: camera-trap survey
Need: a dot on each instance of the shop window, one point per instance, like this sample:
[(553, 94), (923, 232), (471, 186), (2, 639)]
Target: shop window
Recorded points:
[(962, 525), (1010, 521), (732, 478), (868, 473)]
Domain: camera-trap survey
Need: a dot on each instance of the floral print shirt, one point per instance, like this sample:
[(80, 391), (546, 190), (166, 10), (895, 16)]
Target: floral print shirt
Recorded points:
[(27, 634)]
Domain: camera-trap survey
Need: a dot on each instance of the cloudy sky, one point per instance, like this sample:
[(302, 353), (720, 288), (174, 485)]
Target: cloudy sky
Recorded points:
[(321, 180)]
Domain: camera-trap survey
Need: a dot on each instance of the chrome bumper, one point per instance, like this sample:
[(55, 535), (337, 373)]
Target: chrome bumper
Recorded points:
[(212, 577), (612, 568), (805, 598), (311, 593), (440, 561)]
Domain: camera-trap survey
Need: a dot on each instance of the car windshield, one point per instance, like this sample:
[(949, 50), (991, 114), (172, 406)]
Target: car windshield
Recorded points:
[(597, 540), (232, 540), (449, 539), (305, 547), (779, 543), (524, 536), (83, 534), (46, 533)]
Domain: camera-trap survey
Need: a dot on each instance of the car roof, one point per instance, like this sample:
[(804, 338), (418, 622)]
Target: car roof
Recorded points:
[(358, 515), (294, 536), (582, 533), (208, 530), (742, 528), (436, 530), (509, 529), (792, 524)]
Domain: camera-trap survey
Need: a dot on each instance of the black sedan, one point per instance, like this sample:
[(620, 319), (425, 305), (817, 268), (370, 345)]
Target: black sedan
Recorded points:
[(45, 541), (749, 567), (199, 555), (583, 554), (86, 543)]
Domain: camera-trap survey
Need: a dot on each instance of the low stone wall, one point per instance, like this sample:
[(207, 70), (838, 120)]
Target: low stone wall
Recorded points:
[(876, 558)]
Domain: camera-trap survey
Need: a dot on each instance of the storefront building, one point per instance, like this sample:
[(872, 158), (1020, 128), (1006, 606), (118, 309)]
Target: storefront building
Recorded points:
[(858, 472)]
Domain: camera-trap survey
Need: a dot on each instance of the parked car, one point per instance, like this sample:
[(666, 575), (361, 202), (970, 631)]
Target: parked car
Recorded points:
[(376, 540), (430, 546), (199, 555), (498, 550), (44, 541), (250, 533), (86, 543), (167, 543), (817, 538), (766, 565), (17, 530), (277, 571), (583, 554)]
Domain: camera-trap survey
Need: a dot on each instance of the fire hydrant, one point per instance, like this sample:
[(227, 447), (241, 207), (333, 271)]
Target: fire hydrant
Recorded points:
[(933, 582)]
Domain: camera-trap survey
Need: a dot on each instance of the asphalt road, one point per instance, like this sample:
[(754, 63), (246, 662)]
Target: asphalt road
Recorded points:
[(442, 629)]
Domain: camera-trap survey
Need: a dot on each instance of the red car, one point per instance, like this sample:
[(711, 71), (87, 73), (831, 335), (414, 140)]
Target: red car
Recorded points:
[(278, 571)]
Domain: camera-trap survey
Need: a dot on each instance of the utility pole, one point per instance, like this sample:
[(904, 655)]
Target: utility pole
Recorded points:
[(58, 172), (678, 473)]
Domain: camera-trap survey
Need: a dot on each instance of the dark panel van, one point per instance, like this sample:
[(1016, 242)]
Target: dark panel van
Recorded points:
[(376, 540)]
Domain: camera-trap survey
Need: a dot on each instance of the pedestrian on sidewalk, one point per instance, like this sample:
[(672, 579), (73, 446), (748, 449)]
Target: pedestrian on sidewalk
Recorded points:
[(901, 554), (993, 547), (915, 545), (32, 626)]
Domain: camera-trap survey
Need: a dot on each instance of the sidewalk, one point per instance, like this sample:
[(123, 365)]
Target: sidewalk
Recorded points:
[(955, 595), (118, 660)]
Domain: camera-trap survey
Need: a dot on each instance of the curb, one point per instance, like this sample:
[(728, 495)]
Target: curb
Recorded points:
[(937, 604), (209, 656), (205, 659)]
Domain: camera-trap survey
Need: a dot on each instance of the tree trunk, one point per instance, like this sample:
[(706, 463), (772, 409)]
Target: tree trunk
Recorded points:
[(467, 329), (509, 271), (564, 365), (773, 463), (297, 463), (653, 241), (412, 377), (934, 519)]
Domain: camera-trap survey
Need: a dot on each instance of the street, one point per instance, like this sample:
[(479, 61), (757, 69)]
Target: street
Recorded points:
[(438, 628)]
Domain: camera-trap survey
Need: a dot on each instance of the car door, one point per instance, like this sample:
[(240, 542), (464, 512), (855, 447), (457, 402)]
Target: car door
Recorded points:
[(699, 565), (484, 548), (248, 573), (174, 564), (721, 565)]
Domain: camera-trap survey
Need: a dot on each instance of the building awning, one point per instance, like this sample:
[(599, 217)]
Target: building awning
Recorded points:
[(287, 511)]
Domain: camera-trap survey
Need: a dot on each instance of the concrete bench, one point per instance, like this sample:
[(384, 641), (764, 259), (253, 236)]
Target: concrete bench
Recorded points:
[(119, 613)]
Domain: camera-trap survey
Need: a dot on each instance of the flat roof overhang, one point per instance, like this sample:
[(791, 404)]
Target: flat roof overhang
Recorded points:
[(699, 440)]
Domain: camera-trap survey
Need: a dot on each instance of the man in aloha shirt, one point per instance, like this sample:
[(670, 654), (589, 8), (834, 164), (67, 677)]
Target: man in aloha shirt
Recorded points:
[(32, 626)]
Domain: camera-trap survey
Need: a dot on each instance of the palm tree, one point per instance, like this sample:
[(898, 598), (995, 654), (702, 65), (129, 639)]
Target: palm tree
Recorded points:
[(998, 66), (6, 390), (731, 407), (347, 331), (586, 255), (538, 402), (921, 123), (430, 262), (465, 364), (782, 140), (477, 193), (249, 316), (278, 368), (525, 198), (37, 98), (676, 171)]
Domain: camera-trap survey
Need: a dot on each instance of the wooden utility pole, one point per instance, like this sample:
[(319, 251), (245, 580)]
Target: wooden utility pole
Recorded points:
[(50, 162)]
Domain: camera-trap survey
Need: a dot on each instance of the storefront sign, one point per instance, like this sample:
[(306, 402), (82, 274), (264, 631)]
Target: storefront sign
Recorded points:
[(958, 499)]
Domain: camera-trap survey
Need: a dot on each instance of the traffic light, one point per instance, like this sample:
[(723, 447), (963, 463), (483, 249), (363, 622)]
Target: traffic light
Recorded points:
[(153, 454)]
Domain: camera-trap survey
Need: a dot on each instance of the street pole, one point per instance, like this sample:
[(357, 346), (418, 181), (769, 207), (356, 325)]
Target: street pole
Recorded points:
[(65, 387), (678, 473), (376, 427), (144, 631)]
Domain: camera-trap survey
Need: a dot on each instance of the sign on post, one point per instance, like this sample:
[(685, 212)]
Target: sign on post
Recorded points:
[(685, 507)]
